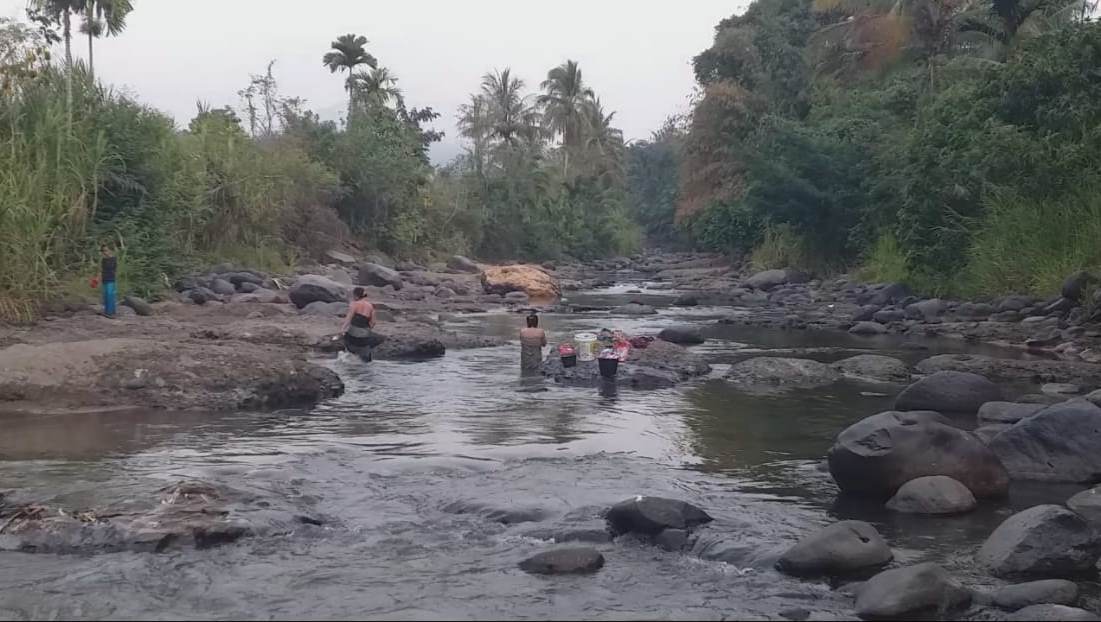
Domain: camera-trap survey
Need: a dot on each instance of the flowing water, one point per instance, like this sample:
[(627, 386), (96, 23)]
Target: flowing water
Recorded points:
[(392, 465)]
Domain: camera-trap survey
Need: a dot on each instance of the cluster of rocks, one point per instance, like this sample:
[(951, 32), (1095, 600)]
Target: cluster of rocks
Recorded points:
[(659, 366)]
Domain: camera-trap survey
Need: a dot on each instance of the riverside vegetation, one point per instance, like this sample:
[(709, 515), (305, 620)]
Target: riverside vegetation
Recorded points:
[(919, 140)]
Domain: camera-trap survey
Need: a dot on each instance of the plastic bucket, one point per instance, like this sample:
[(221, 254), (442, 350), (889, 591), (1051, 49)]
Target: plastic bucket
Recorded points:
[(586, 342), (569, 360), (609, 367)]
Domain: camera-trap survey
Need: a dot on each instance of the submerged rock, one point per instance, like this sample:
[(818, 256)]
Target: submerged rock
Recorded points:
[(767, 374), (934, 494), (684, 335), (1050, 591), (949, 391), (1042, 541), (634, 308), (911, 591), (840, 548), (1031, 370), (1061, 443), (878, 454), (564, 561)]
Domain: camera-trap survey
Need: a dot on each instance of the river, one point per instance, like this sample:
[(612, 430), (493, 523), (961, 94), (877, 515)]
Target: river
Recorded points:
[(392, 464)]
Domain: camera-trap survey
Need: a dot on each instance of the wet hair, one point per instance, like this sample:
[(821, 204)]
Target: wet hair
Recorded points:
[(358, 293), (533, 321)]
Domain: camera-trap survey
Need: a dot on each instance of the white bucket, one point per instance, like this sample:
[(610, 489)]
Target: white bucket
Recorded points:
[(586, 343)]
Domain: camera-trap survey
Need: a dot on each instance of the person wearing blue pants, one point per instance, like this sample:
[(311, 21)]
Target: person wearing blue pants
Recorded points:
[(108, 269)]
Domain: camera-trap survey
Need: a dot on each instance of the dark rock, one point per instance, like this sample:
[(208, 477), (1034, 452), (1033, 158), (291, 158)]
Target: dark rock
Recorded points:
[(1061, 443), (672, 540), (1046, 613), (1050, 591), (925, 310), (838, 549), (1007, 412), (412, 346), (597, 534), (139, 306), (314, 288), (866, 313), (769, 374), (202, 295), (935, 494), (408, 266), (248, 288), (635, 309), (1047, 339), (240, 278), (949, 391), (868, 328), (659, 366), (1059, 306), (325, 309), (888, 293), (684, 335), (1031, 370), (873, 367), (686, 300), (769, 279), (1006, 316), (911, 591), (975, 310), (649, 516), (1043, 541), (564, 562), (1014, 303), (462, 264), (188, 283), (796, 615), (879, 454), (222, 287), (262, 295), (502, 515), (379, 276), (886, 316), (1076, 284), (1087, 504)]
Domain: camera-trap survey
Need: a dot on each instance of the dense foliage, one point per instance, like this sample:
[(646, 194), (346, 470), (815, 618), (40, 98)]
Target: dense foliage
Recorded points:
[(924, 129)]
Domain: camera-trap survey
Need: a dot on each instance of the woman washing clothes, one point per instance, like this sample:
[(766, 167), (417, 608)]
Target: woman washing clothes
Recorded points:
[(532, 341), (358, 325)]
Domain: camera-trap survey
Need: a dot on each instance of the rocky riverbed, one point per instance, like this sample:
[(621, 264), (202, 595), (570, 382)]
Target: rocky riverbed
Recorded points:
[(772, 463)]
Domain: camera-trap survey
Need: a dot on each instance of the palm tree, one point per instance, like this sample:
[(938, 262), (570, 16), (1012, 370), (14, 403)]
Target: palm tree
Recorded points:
[(563, 105), (603, 140), (476, 124), (377, 87), (508, 109), (62, 11), (103, 17), (349, 53), (1004, 22)]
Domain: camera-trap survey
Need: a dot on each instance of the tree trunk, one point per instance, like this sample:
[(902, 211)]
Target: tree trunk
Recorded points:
[(88, 18), (68, 68)]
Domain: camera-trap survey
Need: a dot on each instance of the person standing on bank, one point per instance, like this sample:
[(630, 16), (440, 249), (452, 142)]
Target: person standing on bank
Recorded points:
[(532, 341), (108, 267)]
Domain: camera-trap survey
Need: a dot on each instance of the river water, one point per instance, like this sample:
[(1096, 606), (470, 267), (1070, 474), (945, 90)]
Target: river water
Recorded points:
[(408, 465)]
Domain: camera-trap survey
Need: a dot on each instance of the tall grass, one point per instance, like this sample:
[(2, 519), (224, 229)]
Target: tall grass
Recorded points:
[(1024, 246), (781, 247), (886, 262)]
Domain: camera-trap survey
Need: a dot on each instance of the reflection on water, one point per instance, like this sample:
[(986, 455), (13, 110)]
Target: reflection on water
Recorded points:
[(383, 462)]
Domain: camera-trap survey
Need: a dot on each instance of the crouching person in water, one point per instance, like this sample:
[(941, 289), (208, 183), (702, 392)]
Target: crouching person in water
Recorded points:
[(532, 341), (358, 325)]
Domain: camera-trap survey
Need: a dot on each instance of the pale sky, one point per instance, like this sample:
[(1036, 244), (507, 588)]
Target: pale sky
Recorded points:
[(637, 55)]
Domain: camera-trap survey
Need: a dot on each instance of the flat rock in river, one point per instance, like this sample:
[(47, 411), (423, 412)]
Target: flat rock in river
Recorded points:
[(911, 591), (873, 367), (1049, 591), (949, 391), (564, 561), (842, 547), (1032, 370), (878, 454), (1061, 443), (1047, 541), (934, 494), (768, 374)]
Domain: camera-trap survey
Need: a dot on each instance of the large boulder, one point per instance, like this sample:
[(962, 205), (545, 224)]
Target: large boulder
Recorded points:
[(462, 264), (877, 455), (379, 276), (649, 516), (769, 279), (873, 367), (684, 335), (934, 494), (925, 310), (1046, 541), (769, 374), (314, 288), (911, 591), (532, 280), (140, 306), (1045, 591), (1053, 613), (949, 391), (564, 561), (1087, 504), (1061, 443), (1007, 412), (840, 548), (888, 293), (222, 287), (241, 278)]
